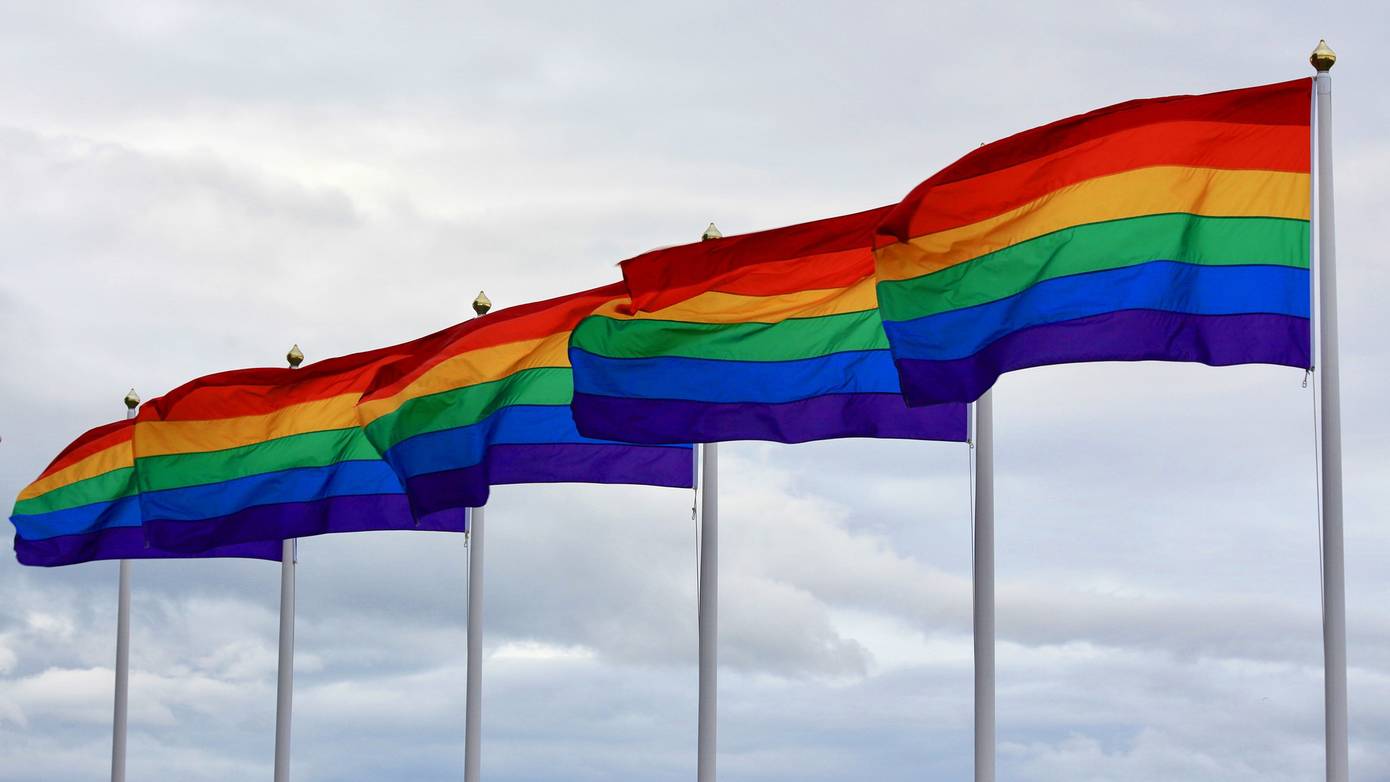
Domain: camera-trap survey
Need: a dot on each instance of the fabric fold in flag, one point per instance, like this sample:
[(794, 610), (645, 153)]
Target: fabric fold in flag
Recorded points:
[(85, 506), (1172, 229), (772, 335), (269, 454), (487, 402)]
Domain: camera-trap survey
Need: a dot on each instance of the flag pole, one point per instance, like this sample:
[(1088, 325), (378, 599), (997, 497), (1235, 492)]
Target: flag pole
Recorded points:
[(473, 693), (473, 717), (284, 685), (709, 612), (982, 587), (119, 721), (1334, 609), (708, 723)]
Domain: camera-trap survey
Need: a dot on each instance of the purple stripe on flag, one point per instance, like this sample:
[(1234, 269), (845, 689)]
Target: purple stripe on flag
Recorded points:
[(817, 418), (447, 490), (124, 543), (1130, 335), (551, 463), (671, 466), (281, 521)]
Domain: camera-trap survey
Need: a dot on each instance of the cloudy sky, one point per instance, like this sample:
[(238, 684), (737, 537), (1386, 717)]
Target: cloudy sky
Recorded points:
[(187, 188)]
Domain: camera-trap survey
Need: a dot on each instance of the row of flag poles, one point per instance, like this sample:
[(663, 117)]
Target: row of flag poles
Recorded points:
[(1172, 229)]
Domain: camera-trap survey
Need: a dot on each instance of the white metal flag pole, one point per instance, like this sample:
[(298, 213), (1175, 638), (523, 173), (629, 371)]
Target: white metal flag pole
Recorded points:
[(982, 592), (122, 699), (284, 684), (473, 716), (708, 724), (1334, 608), (709, 613), (473, 687)]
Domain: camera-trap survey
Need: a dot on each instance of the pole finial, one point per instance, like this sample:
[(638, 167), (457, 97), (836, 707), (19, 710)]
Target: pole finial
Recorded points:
[(132, 399), (711, 233), (482, 304), (295, 356), (1323, 58)]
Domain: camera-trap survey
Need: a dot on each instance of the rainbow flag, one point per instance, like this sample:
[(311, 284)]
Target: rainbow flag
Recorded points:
[(773, 335), (269, 454), (85, 506), (486, 402), (1173, 229)]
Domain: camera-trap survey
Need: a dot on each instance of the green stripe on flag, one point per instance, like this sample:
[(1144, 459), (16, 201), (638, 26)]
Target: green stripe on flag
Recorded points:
[(309, 449), (789, 340), (1203, 241), (471, 404), (98, 488)]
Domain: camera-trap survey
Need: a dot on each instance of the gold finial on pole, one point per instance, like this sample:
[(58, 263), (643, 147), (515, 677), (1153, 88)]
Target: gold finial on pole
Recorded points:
[(295, 356), (132, 399), (482, 304), (711, 233), (1323, 58)]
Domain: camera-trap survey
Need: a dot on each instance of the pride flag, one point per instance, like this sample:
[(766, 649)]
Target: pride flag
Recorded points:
[(486, 402), (85, 506), (269, 454), (773, 335), (1174, 229)]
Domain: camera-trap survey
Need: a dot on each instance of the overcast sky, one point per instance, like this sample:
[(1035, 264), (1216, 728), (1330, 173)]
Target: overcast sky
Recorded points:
[(191, 187)]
